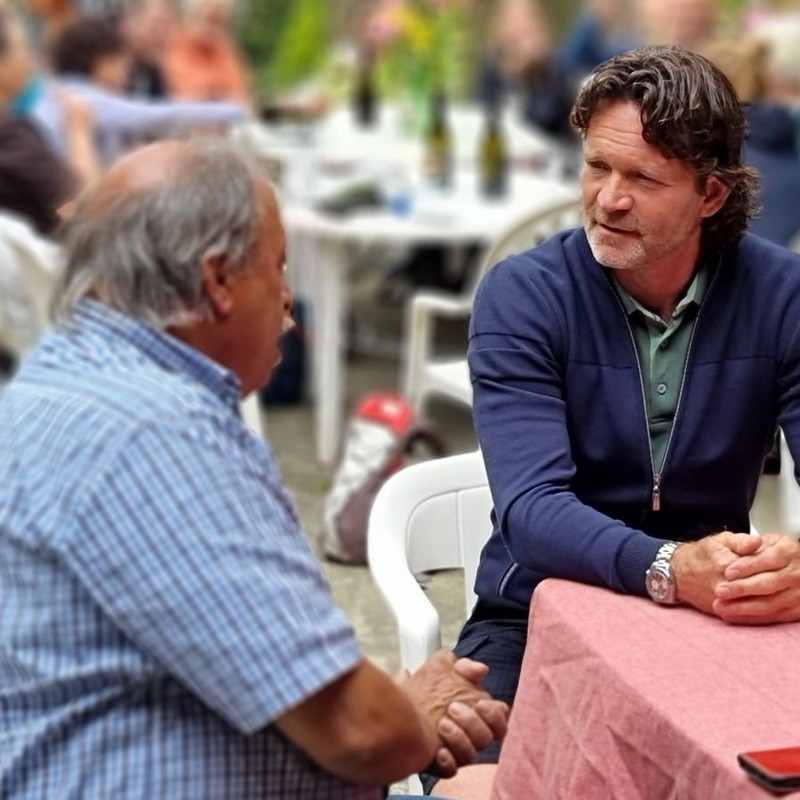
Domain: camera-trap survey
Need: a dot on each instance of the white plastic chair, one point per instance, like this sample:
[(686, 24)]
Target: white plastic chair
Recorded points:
[(429, 516), (777, 503), (425, 374)]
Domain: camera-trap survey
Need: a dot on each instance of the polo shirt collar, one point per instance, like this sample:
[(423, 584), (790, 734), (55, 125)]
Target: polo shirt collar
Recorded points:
[(695, 292)]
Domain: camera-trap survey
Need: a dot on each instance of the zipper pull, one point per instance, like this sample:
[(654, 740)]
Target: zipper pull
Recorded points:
[(656, 496)]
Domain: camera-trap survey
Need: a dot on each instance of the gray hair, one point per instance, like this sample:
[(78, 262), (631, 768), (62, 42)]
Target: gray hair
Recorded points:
[(141, 251)]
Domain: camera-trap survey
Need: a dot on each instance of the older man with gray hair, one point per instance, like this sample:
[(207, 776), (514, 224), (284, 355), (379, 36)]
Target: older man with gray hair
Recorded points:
[(165, 630)]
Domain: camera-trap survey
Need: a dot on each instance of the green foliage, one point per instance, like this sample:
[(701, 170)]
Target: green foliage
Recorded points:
[(259, 31), (428, 48), (303, 43), (285, 41)]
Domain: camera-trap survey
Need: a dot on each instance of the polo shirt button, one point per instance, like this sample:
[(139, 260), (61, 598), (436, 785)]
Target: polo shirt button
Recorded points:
[(661, 388)]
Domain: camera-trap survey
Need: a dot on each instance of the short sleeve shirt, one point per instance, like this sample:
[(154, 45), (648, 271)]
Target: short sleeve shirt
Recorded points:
[(159, 604)]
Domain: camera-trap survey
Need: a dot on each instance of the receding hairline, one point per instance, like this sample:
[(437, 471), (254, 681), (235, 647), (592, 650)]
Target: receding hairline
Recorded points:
[(157, 166)]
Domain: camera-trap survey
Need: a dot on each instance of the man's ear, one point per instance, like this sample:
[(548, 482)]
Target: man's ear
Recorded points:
[(715, 194), (216, 283)]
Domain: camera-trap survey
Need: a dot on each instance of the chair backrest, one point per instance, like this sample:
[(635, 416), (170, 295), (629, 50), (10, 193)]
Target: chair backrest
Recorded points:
[(429, 516), (776, 506), (531, 231)]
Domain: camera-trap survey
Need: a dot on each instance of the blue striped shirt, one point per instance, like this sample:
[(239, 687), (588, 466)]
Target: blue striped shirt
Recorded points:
[(159, 605)]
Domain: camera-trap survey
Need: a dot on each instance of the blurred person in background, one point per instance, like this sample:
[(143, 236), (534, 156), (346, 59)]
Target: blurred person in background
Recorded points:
[(47, 18), (202, 60), (686, 23), (34, 180), (602, 30), (764, 67), (520, 65), (147, 27), (90, 59)]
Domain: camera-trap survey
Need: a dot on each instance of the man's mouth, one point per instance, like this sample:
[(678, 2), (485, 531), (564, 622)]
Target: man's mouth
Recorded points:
[(614, 228)]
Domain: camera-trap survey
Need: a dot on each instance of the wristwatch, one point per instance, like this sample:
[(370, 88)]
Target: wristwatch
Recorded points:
[(659, 578)]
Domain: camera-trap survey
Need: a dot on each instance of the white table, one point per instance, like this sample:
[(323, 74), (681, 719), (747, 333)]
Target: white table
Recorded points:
[(337, 139), (318, 258)]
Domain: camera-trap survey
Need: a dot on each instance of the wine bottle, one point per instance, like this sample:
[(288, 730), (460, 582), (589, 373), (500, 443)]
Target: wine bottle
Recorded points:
[(439, 144), (493, 157), (365, 96)]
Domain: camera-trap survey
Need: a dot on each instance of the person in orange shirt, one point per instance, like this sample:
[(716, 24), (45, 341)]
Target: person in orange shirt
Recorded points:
[(202, 60)]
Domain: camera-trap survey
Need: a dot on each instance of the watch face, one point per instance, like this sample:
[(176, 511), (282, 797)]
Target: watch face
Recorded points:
[(658, 585)]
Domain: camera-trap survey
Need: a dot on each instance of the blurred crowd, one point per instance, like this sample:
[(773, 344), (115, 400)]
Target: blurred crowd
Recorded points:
[(77, 88), (757, 47)]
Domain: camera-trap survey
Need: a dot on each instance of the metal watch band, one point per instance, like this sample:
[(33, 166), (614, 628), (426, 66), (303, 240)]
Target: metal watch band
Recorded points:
[(659, 579)]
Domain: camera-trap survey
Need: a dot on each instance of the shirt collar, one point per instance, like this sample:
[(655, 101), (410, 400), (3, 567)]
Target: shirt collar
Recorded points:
[(165, 350), (693, 296)]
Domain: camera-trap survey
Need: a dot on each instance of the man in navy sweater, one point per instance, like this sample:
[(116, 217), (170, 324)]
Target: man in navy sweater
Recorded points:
[(628, 377)]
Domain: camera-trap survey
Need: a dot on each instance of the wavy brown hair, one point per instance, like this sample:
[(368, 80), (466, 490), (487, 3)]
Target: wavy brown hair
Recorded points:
[(690, 111)]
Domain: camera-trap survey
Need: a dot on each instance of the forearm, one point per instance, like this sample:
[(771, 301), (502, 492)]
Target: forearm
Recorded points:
[(139, 116), (82, 156), (561, 537), (362, 728), (544, 525)]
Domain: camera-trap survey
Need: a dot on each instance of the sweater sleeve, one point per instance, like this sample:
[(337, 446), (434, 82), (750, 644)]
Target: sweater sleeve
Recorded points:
[(518, 358)]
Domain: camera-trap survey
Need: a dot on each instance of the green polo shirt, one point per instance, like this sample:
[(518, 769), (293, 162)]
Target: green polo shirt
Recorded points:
[(662, 348)]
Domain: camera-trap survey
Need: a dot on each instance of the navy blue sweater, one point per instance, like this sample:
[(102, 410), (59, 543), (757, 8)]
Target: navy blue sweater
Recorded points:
[(560, 414)]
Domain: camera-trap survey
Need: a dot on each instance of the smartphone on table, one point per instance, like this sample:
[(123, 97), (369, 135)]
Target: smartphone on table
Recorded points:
[(777, 770)]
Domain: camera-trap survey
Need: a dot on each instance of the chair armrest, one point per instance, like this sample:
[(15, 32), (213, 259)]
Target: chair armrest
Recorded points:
[(417, 618), (441, 303)]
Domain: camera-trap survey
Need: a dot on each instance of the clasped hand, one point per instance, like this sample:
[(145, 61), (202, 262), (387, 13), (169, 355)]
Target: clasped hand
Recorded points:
[(742, 579), (465, 717)]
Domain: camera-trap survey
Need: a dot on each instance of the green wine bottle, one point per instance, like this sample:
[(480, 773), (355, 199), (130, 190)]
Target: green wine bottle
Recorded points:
[(493, 157), (438, 144), (365, 96)]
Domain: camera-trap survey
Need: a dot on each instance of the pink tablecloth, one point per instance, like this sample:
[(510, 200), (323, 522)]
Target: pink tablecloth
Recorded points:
[(624, 699)]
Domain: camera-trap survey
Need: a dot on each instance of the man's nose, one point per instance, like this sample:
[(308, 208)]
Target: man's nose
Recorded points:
[(614, 195)]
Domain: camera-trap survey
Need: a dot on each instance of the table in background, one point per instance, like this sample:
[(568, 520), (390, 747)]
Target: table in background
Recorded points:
[(318, 260), (621, 698)]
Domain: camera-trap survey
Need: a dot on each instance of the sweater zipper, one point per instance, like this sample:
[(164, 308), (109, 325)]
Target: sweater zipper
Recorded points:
[(655, 491)]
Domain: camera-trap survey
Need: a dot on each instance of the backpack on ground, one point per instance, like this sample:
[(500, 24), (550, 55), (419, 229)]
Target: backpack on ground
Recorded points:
[(379, 436)]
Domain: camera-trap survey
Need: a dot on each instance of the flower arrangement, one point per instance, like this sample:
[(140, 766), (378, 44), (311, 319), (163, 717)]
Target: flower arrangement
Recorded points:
[(419, 45)]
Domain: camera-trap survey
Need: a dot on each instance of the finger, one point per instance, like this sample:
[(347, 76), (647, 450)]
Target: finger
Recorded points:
[(769, 559), (495, 714), (760, 584), (444, 765), (743, 544), (473, 671), (472, 723), (458, 740), (766, 610)]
